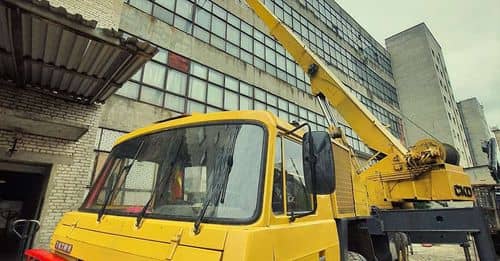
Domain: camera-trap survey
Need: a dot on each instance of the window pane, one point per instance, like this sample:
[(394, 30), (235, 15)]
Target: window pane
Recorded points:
[(298, 195), (218, 42), (259, 63), (216, 77), (161, 56), (260, 106), (233, 50), (169, 4), (246, 89), (151, 95), (144, 6), (270, 56), (246, 28), (184, 8), (197, 89), (218, 27), (129, 89), (199, 70), (183, 24), (176, 82), (195, 107), (163, 14), (246, 56), (235, 21), (282, 104), (201, 34), (260, 95), (281, 62), (219, 12), (174, 102), (214, 95), (233, 35), (290, 67), (245, 103), (293, 108), (202, 18), (272, 109), (231, 83), (154, 74), (258, 35), (278, 179), (272, 100), (283, 115), (230, 100), (207, 5), (246, 42), (137, 75), (259, 49), (212, 109)]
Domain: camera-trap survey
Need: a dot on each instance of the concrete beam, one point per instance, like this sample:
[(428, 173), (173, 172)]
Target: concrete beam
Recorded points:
[(22, 122)]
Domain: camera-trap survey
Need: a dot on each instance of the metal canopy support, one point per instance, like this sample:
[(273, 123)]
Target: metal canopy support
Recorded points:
[(444, 225)]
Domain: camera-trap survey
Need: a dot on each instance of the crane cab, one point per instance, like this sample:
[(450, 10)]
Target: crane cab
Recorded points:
[(220, 186)]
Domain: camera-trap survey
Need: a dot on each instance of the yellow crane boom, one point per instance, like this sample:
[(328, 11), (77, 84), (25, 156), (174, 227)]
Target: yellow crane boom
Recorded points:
[(421, 173), (325, 83)]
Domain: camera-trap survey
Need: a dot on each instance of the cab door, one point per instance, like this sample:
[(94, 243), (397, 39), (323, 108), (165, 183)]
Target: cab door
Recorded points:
[(312, 237)]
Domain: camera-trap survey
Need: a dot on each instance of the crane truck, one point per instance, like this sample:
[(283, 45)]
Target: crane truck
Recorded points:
[(245, 185)]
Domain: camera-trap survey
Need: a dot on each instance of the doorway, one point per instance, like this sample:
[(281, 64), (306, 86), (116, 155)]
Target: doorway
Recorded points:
[(22, 190)]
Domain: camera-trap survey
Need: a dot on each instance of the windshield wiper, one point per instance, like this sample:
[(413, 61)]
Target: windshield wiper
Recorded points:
[(141, 214), (144, 209), (115, 182), (218, 193)]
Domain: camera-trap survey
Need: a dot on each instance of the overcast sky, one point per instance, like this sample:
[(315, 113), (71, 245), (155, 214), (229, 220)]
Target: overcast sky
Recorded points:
[(468, 32)]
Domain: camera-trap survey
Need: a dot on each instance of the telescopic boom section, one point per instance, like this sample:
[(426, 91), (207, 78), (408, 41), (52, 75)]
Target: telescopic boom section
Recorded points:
[(324, 82)]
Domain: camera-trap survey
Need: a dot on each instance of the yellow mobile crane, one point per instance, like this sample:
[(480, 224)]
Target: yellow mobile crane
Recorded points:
[(245, 185)]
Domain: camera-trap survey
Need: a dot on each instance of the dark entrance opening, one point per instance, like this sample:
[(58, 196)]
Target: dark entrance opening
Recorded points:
[(22, 189)]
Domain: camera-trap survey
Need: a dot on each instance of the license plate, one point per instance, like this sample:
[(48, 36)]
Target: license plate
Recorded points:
[(64, 247)]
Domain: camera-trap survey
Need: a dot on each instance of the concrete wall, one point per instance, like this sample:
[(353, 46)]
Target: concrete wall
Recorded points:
[(476, 129), (425, 95), (107, 13), (71, 161), (415, 79)]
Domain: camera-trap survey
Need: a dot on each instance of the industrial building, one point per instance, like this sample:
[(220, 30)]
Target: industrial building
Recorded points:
[(476, 129), (425, 92), (476, 132), (212, 56)]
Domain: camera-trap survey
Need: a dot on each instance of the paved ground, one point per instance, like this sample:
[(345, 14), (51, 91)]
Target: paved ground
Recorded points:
[(439, 252)]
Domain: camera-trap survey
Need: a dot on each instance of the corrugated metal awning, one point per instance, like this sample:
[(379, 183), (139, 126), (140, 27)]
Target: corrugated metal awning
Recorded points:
[(62, 54)]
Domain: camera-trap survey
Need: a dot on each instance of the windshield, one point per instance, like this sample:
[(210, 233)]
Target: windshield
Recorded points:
[(179, 168)]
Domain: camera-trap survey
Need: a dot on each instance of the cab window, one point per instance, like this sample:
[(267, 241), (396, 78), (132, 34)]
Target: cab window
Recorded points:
[(298, 198)]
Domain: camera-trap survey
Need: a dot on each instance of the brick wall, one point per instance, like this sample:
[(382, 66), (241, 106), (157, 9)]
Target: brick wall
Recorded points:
[(71, 161), (107, 13)]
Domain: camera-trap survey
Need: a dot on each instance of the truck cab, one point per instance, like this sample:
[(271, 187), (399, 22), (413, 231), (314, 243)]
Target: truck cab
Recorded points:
[(220, 186)]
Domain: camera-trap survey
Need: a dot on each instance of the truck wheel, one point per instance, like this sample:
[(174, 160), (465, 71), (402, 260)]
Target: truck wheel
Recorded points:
[(353, 256)]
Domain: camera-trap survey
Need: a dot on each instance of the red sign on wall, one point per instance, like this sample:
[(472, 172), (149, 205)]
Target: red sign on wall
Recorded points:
[(178, 62)]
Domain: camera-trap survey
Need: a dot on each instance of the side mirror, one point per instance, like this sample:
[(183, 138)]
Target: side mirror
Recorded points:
[(319, 170)]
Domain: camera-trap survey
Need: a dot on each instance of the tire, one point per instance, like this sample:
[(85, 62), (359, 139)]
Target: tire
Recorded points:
[(353, 256)]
